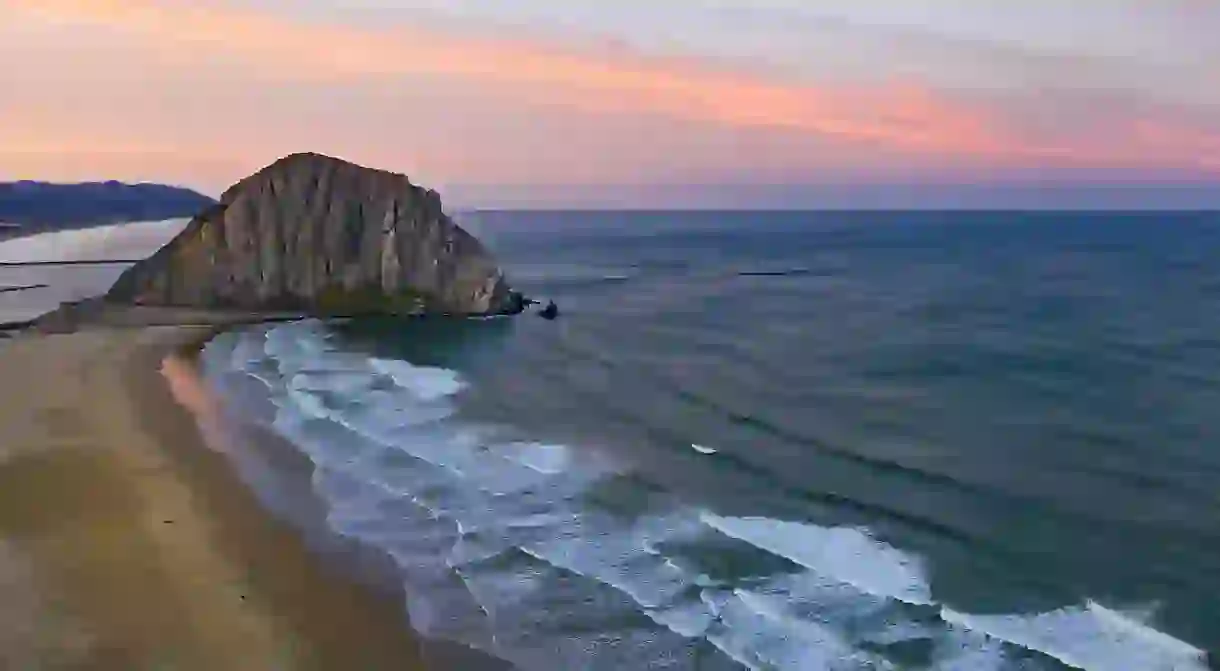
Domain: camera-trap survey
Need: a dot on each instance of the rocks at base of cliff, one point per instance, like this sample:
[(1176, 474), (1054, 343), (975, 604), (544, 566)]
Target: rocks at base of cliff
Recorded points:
[(517, 303), (320, 235)]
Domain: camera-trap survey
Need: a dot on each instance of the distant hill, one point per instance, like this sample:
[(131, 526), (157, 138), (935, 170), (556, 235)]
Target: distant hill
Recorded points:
[(44, 206)]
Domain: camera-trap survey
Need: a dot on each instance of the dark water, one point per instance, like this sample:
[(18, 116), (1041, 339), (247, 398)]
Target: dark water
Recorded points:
[(790, 441)]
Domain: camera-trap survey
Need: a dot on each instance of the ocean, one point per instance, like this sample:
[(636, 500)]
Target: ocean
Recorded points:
[(788, 441)]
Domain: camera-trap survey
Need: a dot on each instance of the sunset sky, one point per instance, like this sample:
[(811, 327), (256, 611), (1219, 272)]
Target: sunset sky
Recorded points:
[(631, 103)]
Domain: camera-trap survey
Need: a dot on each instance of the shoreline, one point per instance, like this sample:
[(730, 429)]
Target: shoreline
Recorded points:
[(235, 438), (127, 541)]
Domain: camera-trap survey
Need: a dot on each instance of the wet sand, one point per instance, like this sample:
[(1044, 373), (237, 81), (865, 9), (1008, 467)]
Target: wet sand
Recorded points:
[(127, 543)]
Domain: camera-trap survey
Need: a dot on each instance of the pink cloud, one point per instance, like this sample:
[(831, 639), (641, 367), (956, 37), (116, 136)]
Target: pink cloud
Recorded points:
[(261, 56)]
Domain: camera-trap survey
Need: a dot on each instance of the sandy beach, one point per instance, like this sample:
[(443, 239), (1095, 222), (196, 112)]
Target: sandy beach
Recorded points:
[(127, 543)]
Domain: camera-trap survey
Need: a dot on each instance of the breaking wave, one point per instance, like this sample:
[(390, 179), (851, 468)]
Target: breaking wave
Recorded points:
[(550, 557)]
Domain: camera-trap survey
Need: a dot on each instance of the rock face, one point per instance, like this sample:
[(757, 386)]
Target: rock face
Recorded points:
[(324, 236)]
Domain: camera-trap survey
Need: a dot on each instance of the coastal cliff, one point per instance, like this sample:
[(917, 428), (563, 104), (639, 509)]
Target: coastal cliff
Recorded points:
[(320, 235)]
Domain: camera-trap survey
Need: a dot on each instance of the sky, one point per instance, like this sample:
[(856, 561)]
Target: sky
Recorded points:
[(606, 103)]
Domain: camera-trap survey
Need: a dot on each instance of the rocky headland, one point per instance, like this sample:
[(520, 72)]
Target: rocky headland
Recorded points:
[(309, 235)]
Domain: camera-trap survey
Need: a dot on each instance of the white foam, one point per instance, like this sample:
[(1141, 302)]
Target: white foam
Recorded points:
[(425, 383), (690, 619), (308, 403), (388, 416), (849, 555), (813, 597), (284, 350), (245, 350), (703, 450), (266, 381), (544, 458), (1090, 637), (617, 556), (350, 383), (345, 455), (761, 640)]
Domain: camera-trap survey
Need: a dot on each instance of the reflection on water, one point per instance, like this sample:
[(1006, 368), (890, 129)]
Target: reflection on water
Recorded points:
[(71, 283)]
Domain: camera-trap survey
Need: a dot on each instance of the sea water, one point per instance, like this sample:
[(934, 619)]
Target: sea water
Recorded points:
[(802, 441)]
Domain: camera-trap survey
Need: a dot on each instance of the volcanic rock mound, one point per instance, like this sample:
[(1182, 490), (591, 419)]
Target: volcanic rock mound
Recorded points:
[(320, 235)]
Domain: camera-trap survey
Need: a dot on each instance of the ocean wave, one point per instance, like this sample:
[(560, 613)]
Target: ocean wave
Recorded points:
[(1089, 637), (850, 555), (505, 547), (426, 384)]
